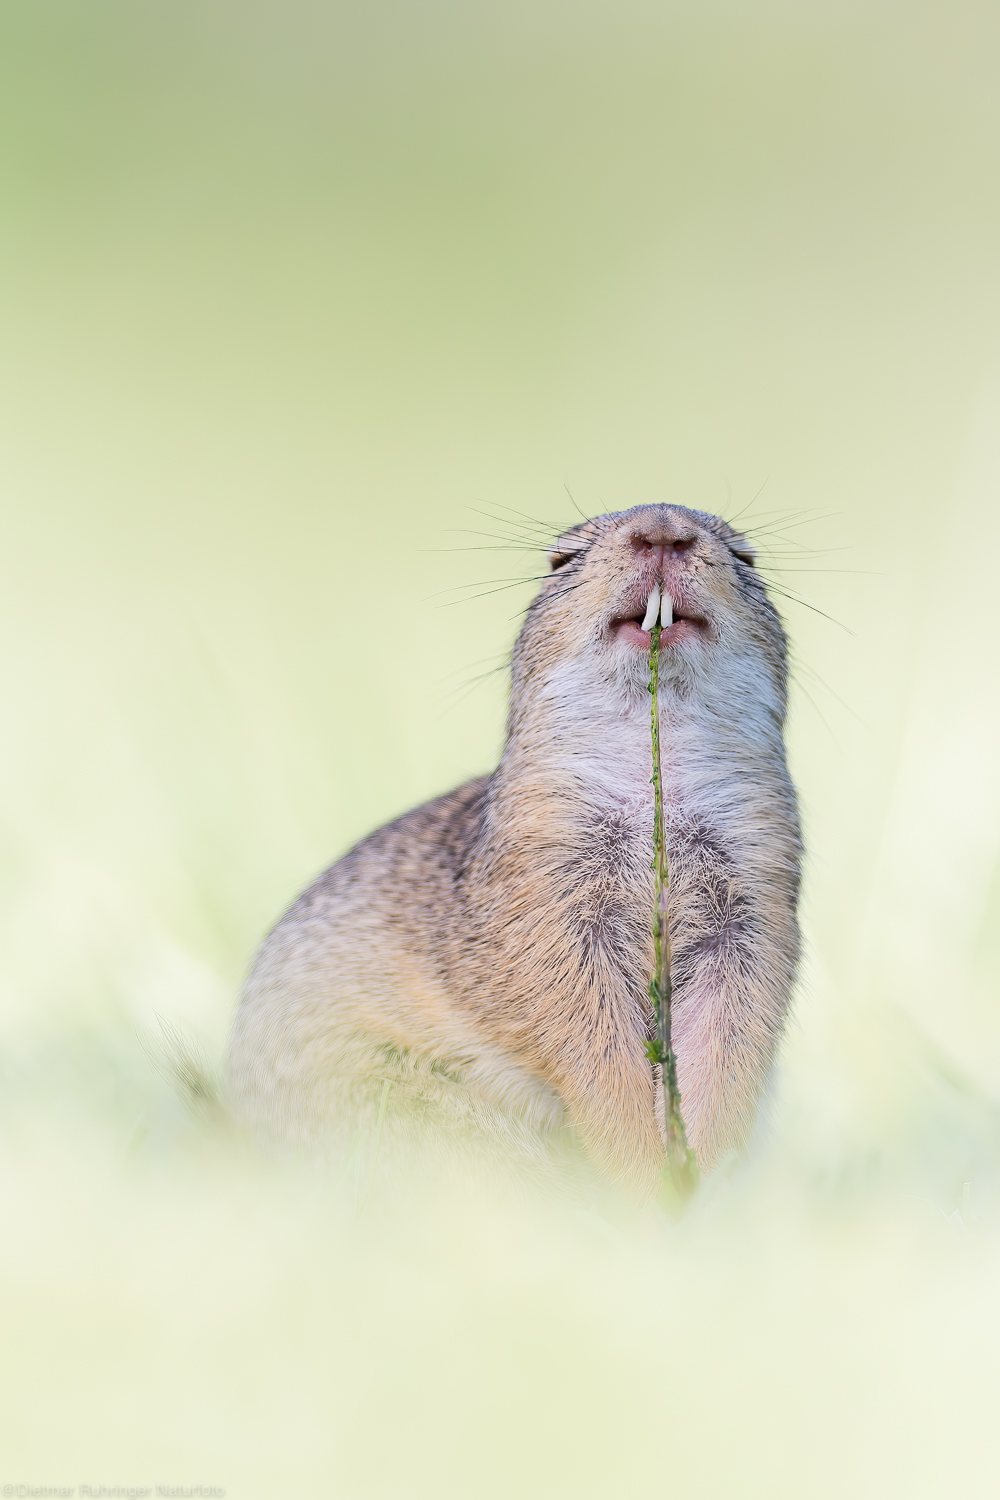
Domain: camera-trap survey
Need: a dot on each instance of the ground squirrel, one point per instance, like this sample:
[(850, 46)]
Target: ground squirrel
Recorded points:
[(487, 955)]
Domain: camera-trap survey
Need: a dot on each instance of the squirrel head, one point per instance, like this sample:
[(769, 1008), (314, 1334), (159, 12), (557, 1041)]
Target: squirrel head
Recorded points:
[(587, 633)]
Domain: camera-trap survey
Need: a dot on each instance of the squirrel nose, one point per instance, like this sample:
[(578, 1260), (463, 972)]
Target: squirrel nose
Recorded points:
[(664, 531)]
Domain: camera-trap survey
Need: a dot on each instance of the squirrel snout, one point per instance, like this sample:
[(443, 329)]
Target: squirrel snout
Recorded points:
[(662, 532)]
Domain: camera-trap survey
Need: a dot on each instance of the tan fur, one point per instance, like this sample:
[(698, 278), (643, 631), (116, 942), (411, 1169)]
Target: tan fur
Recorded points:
[(485, 959)]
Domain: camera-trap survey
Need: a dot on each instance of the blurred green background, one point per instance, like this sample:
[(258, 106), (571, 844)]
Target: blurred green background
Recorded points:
[(290, 295)]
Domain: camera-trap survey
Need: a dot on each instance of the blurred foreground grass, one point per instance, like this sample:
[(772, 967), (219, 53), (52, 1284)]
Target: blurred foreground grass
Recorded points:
[(282, 293)]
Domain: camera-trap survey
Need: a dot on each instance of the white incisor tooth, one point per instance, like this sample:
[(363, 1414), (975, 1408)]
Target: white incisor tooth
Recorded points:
[(652, 609), (666, 611)]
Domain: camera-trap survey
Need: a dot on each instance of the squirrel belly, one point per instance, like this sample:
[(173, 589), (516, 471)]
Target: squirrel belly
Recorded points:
[(482, 964)]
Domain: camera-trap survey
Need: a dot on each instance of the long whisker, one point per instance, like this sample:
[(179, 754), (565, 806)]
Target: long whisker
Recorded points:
[(525, 578), (786, 593), (501, 589), (799, 518), (529, 544), (539, 525), (536, 528), (511, 548), (498, 658), (804, 667), (574, 504), (566, 588), (749, 502), (846, 572), (800, 553), (799, 687), (459, 694)]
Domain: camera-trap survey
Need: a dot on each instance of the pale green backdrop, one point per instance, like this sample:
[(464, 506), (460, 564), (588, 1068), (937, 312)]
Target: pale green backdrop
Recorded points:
[(289, 296)]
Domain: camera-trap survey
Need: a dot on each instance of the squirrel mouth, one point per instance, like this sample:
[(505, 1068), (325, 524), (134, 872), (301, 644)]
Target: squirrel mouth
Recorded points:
[(675, 623)]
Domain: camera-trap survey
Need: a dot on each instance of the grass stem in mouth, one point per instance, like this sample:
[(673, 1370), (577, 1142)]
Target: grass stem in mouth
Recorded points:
[(680, 1177)]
